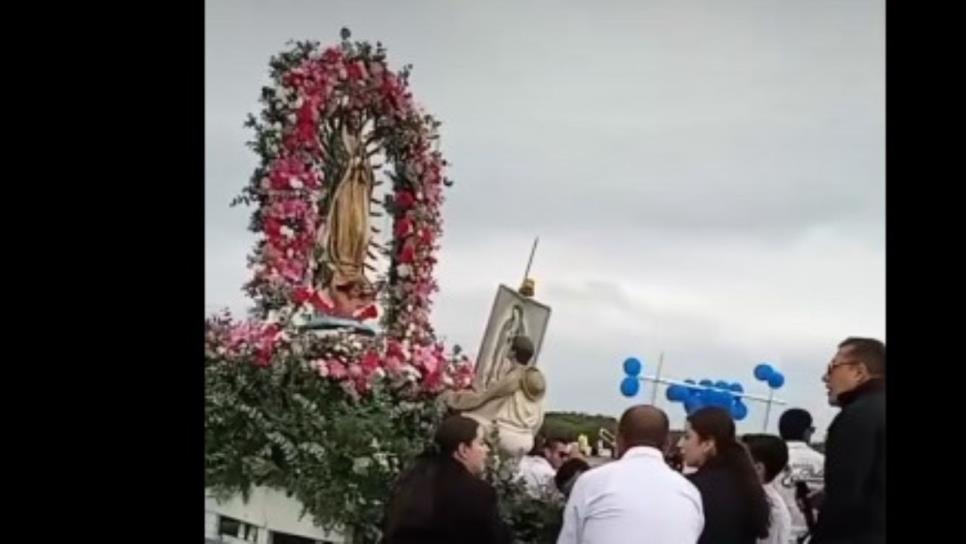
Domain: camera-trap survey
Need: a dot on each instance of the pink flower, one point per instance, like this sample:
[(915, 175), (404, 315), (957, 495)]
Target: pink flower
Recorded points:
[(337, 370), (355, 371), (393, 365)]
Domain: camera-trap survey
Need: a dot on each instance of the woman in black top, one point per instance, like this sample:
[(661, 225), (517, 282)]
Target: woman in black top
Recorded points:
[(442, 498), (736, 510)]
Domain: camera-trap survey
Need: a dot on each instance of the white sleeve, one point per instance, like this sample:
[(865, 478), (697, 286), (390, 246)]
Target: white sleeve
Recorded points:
[(570, 532)]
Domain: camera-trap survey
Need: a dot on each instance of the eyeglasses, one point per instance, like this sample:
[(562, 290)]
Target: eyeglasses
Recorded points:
[(832, 367)]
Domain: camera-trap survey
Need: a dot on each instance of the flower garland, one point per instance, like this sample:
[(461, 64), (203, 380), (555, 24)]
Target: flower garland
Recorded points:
[(314, 90)]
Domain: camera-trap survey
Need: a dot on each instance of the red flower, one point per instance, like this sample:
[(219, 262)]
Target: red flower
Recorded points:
[(403, 227), (369, 312), (405, 200), (263, 358), (369, 362), (332, 55), (302, 294), (408, 254), (273, 227), (356, 70)]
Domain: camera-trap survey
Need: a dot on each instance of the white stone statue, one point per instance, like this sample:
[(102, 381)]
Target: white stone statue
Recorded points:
[(513, 405)]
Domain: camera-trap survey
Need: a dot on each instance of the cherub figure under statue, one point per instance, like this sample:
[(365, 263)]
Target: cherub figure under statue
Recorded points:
[(513, 405)]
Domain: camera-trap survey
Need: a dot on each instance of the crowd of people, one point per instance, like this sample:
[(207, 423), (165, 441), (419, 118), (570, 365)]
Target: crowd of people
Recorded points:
[(719, 489)]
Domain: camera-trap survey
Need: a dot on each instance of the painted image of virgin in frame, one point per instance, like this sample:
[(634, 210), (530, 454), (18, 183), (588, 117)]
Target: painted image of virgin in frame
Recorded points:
[(512, 314)]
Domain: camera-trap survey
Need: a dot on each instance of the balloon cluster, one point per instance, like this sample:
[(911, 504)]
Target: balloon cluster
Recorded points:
[(631, 384), (722, 394), (765, 373)]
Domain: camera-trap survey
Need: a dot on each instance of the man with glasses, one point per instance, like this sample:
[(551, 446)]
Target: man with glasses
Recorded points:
[(853, 508), (805, 467), (538, 469)]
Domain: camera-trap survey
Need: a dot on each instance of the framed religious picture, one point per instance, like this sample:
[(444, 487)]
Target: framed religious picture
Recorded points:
[(512, 314)]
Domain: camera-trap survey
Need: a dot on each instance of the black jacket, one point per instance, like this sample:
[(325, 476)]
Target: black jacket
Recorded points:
[(853, 510), (725, 510), (441, 502)]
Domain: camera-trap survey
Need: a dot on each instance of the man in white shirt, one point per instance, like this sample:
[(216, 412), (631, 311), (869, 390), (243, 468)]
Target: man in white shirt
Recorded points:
[(770, 455), (637, 498), (805, 465), (538, 469)]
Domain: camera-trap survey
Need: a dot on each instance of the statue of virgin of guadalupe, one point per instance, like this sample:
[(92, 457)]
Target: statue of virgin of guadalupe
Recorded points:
[(347, 231)]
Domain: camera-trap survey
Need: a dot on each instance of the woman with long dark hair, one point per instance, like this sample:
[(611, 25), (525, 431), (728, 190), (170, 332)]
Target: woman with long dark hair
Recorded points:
[(442, 498), (736, 510)]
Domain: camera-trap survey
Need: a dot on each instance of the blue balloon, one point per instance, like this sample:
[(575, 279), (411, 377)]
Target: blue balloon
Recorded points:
[(737, 388), (709, 397), (690, 381), (693, 404), (630, 386), (776, 380), (763, 371), (633, 366), (721, 384), (739, 411), (706, 383), (677, 393)]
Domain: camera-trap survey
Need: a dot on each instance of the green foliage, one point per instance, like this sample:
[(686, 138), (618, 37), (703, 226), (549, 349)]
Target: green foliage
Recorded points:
[(533, 520), (285, 427), (569, 425)]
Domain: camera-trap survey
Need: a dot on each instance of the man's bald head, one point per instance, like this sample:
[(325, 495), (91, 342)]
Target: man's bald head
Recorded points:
[(642, 425)]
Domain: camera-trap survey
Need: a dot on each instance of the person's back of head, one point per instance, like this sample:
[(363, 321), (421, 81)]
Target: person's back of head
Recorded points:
[(642, 425), (729, 455), (769, 452), (413, 499), (568, 473), (795, 424)]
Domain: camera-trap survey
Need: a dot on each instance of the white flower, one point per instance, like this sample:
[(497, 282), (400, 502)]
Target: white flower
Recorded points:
[(360, 464), (291, 118), (295, 183), (299, 101), (403, 270), (287, 231)]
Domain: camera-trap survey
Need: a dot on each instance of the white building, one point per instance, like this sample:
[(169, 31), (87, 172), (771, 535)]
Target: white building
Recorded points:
[(269, 517)]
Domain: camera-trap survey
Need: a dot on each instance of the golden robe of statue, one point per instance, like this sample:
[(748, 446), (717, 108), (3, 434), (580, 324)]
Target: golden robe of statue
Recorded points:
[(347, 230)]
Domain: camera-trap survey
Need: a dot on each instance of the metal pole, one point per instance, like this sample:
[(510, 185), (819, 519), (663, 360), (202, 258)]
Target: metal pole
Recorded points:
[(533, 251), (657, 376), (771, 396), (666, 381)]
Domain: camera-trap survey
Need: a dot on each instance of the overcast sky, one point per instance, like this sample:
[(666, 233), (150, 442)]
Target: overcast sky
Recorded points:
[(707, 178)]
